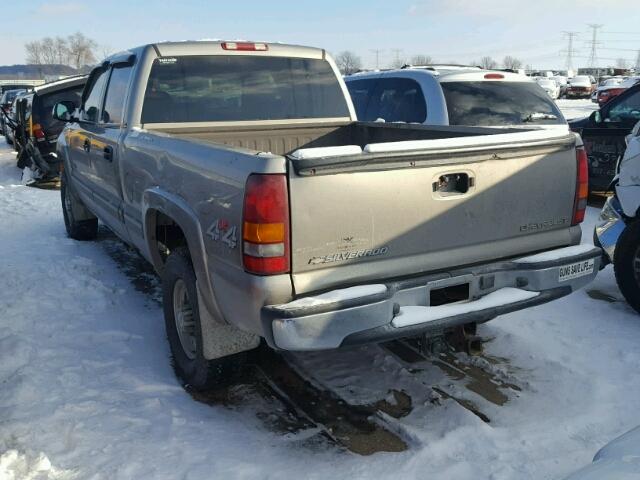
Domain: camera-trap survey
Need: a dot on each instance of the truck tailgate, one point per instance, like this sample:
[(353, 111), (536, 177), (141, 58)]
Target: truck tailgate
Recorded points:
[(381, 215)]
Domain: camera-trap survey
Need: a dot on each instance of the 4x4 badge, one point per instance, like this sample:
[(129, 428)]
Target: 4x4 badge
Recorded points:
[(221, 231)]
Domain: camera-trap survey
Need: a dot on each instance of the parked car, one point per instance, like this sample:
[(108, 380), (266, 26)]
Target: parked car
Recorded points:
[(618, 229), (239, 171), (446, 96), (38, 128), (579, 87), (6, 101), (562, 83), (603, 134), (614, 87), (550, 86), (617, 460), (17, 85)]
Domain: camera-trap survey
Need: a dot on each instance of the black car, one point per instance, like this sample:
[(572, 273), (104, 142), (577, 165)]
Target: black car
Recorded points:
[(604, 132), (37, 131)]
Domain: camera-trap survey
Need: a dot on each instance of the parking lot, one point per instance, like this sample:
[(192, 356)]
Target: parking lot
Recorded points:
[(89, 393)]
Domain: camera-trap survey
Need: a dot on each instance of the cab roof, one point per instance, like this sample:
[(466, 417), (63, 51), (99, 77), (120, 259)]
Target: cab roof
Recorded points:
[(225, 47)]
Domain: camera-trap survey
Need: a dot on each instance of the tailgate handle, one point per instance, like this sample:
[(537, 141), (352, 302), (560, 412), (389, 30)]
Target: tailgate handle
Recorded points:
[(453, 184)]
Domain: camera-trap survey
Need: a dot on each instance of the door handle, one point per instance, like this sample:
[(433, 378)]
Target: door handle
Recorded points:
[(108, 153), (453, 184), (86, 146)]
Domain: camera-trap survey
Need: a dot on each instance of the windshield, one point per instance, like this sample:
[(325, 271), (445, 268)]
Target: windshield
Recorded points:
[(10, 95), (237, 88), (546, 83), (580, 81), (499, 103)]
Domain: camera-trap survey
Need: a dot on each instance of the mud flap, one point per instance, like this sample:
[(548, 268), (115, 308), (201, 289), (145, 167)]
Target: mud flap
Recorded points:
[(220, 340)]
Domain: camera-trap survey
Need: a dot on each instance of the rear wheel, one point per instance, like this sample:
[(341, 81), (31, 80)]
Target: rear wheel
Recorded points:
[(626, 264), (86, 229), (184, 332)]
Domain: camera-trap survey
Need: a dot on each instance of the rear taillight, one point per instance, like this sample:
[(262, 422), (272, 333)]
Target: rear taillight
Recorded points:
[(37, 132), (582, 186), (265, 226), (494, 76)]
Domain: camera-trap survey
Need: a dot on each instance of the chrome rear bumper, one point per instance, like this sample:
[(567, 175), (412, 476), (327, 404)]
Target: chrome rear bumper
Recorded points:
[(400, 308)]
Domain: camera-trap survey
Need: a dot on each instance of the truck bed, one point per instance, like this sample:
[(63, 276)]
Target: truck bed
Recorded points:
[(280, 139)]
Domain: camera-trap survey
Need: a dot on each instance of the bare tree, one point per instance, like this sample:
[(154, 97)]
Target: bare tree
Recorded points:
[(348, 62), (511, 63), (34, 52), (488, 63), (62, 51), (81, 50), (621, 63), (75, 50), (421, 60), (49, 55)]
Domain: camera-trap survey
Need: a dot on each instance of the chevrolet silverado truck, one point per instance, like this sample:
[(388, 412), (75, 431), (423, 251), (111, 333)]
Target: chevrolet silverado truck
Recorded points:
[(240, 171)]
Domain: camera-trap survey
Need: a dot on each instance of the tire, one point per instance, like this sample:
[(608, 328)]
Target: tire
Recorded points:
[(184, 333), (77, 229), (626, 264)]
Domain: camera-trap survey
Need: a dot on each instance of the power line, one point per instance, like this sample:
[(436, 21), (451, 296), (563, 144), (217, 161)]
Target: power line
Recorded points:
[(377, 51), (593, 57), (570, 51), (396, 52)]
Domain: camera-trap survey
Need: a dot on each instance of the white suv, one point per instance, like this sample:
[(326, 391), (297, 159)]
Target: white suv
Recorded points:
[(453, 95)]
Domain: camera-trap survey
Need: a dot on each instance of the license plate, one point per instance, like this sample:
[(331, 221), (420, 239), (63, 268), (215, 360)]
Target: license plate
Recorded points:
[(576, 270)]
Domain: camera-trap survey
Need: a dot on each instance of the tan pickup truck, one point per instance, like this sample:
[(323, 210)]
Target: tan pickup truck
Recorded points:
[(240, 171)]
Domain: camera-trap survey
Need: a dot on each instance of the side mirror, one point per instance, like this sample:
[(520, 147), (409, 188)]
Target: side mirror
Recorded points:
[(596, 117), (62, 111)]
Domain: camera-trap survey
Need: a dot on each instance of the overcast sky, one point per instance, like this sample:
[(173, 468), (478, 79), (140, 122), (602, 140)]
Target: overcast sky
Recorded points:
[(447, 30)]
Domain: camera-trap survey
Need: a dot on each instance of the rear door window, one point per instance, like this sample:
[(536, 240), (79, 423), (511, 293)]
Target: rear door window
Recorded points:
[(241, 88), (499, 103), (116, 91), (396, 100)]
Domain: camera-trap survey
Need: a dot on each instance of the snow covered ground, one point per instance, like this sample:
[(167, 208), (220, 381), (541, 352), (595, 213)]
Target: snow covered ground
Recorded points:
[(576, 108), (87, 390)]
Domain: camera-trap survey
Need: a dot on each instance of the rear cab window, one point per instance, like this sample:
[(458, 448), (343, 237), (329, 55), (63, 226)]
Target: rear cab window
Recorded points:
[(221, 88), (388, 99), (489, 103), (113, 110)]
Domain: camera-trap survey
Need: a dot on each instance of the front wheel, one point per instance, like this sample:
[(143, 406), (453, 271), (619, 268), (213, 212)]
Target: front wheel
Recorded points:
[(184, 331), (626, 264)]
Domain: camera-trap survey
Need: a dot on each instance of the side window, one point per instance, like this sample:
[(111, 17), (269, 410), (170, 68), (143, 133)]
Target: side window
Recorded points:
[(91, 105), (115, 96), (397, 100), (360, 91), (626, 111)]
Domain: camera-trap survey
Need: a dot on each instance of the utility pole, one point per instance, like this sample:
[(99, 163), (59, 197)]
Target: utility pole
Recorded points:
[(638, 62), (377, 52), (570, 51), (593, 57)]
